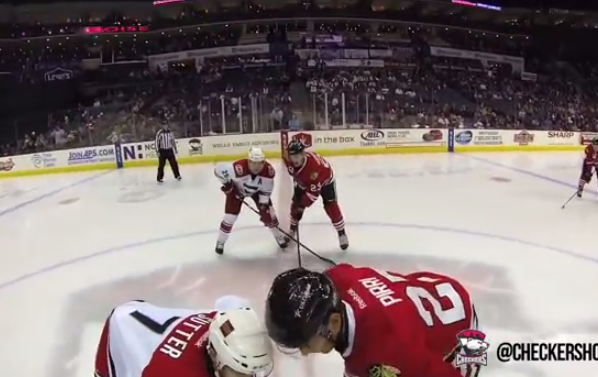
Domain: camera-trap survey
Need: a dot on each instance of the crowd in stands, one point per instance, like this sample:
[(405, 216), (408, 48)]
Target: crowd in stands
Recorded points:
[(401, 83)]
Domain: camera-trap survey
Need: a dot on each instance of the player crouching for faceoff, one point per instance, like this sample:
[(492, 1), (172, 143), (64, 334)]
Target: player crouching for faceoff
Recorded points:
[(143, 340), (590, 163), (249, 177), (313, 177), (383, 324)]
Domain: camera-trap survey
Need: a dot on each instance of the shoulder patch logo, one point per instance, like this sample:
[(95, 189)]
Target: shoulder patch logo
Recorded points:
[(380, 370)]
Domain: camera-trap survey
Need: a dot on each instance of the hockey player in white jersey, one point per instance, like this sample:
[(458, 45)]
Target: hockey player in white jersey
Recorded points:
[(248, 177), (143, 340)]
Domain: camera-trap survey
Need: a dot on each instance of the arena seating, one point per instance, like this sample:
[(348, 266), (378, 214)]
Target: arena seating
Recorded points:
[(120, 97)]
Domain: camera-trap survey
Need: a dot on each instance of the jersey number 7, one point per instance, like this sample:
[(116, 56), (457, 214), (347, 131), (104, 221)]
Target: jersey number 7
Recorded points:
[(417, 294), (158, 328)]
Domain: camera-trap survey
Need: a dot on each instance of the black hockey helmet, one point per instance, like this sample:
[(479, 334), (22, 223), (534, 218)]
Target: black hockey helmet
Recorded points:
[(295, 147), (298, 307)]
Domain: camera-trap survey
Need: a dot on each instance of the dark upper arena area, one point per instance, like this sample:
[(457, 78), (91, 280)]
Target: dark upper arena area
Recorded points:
[(84, 73)]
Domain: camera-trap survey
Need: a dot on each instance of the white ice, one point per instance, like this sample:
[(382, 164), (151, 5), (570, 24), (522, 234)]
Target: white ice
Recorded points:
[(73, 246)]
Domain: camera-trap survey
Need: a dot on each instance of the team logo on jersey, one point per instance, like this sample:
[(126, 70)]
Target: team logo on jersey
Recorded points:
[(380, 370), (313, 175), (472, 348)]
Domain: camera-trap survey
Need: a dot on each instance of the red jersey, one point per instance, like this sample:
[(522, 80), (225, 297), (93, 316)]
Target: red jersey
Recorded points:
[(143, 340), (407, 323), (312, 175), (591, 155)]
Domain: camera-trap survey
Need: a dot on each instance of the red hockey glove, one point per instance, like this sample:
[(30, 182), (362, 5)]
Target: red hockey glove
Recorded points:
[(305, 200), (297, 212), (229, 188), (265, 214)]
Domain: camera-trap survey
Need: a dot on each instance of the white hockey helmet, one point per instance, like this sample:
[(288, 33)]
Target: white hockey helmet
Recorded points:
[(256, 155), (240, 342)]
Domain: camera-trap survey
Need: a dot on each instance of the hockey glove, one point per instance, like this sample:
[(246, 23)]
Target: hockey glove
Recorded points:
[(265, 215), (228, 188), (297, 212)]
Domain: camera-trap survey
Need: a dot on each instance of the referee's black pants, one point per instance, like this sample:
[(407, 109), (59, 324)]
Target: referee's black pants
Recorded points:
[(167, 154)]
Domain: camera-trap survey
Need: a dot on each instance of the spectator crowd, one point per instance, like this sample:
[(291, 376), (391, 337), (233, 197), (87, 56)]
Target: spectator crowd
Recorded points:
[(313, 75)]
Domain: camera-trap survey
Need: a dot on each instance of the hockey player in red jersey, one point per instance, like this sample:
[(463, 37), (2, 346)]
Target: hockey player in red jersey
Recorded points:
[(590, 162), (403, 325), (248, 177), (313, 178), (143, 340)]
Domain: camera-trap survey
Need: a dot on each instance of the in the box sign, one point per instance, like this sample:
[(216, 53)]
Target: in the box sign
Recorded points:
[(523, 138), (335, 139)]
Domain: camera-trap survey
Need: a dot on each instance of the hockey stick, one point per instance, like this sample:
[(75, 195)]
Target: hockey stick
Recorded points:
[(575, 193), (298, 247), (296, 240), (570, 199)]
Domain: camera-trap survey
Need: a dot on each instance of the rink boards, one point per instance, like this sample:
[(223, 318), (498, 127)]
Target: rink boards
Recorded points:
[(329, 143)]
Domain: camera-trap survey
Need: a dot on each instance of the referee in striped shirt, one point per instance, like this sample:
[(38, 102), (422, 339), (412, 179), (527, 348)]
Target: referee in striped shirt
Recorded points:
[(166, 148)]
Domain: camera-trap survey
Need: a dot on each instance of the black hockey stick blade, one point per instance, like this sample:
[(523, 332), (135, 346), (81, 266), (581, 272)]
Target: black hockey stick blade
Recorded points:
[(296, 240), (570, 199)]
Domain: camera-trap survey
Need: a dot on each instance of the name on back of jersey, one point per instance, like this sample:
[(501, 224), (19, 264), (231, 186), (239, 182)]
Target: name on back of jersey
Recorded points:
[(380, 291), (178, 340)]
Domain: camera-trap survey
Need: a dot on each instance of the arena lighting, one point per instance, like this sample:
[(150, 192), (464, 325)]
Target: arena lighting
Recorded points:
[(115, 29), (476, 5)]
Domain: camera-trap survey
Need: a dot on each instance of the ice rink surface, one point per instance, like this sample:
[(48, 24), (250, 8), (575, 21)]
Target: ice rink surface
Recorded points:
[(73, 246)]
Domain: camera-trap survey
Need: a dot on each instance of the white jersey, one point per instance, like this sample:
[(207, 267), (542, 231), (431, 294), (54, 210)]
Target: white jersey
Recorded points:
[(247, 184), (144, 340)]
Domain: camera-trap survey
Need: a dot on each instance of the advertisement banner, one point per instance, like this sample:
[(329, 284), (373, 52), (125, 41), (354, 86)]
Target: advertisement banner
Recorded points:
[(6, 164), (478, 137), (91, 155), (58, 74), (44, 160), (524, 138), (262, 48), (561, 138), (118, 155), (515, 61), (400, 138), (528, 76), (195, 147), (354, 63), (354, 53), (308, 53), (587, 137)]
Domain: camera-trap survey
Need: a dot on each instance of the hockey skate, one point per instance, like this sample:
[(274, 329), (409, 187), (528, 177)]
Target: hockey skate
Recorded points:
[(579, 192), (343, 240), (219, 248)]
